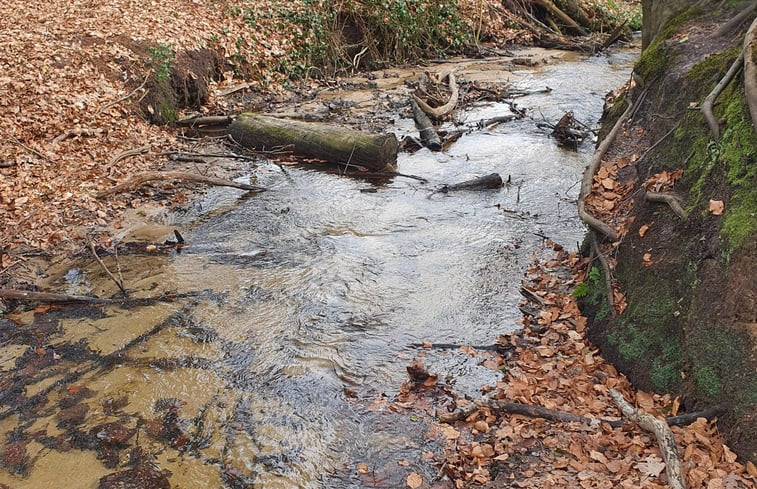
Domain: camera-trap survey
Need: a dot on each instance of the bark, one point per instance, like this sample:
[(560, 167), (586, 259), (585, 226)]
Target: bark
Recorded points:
[(332, 143), (750, 72)]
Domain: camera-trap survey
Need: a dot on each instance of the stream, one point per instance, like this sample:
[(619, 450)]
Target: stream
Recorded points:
[(298, 309)]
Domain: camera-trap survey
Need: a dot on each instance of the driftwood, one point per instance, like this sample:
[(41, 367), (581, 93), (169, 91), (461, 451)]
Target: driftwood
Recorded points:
[(27, 295), (439, 112), (335, 144), (429, 137), (750, 71), (491, 181), (142, 178), (664, 436), (588, 179), (672, 200), (119, 283), (710, 99)]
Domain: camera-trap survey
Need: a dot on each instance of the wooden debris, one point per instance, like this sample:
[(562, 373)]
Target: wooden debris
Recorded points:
[(449, 106), (429, 137), (329, 142), (142, 178)]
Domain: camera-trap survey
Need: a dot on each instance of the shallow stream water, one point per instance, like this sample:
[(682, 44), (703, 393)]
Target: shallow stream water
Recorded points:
[(304, 305)]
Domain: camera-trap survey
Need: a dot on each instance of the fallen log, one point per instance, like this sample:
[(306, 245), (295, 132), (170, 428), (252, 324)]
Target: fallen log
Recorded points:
[(149, 176), (491, 181), (46, 297), (429, 137), (332, 143)]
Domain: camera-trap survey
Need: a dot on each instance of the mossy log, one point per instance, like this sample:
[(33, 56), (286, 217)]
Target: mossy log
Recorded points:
[(332, 143)]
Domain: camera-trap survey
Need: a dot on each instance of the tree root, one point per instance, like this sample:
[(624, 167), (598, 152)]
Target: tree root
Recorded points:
[(750, 71), (445, 109), (729, 26), (665, 439), (606, 270), (588, 179), (143, 178), (710, 99), (127, 154), (672, 200)]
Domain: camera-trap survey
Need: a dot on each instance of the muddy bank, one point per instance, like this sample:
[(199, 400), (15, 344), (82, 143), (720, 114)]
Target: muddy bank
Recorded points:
[(689, 326)]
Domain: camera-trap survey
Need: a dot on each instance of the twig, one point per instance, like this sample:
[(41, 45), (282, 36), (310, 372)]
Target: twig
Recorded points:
[(588, 179), (126, 154), (445, 109), (27, 148), (708, 102), (606, 268), (228, 156), (672, 200), (125, 97), (105, 268), (27, 295), (656, 144), (665, 439), (143, 178)]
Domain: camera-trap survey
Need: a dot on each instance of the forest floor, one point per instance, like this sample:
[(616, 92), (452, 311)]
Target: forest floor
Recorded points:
[(71, 79)]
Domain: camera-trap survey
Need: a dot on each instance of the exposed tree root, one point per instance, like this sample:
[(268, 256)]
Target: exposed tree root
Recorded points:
[(732, 24), (605, 270), (672, 200), (665, 439), (750, 71), (588, 179), (127, 154), (710, 100), (438, 112), (143, 178)]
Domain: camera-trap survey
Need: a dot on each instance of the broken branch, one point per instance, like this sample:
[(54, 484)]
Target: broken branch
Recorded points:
[(126, 154), (662, 432), (143, 178)]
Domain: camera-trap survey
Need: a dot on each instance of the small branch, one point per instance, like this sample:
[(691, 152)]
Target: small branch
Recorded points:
[(119, 283), (143, 178), (664, 136), (125, 97), (79, 131), (665, 439), (710, 100), (605, 269), (588, 179), (27, 295), (229, 156), (672, 200), (127, 154), (27, 148)]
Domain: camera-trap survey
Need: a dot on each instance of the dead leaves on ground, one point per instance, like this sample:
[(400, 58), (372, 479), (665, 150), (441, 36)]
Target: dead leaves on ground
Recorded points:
[(554, 366)]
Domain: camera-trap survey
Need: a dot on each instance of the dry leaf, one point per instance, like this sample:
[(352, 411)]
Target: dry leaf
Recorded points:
[(751, 469), (403, 463), (716, 207), (652, 466), (643, 230), (414, 481), (646, 260), (362, 468)]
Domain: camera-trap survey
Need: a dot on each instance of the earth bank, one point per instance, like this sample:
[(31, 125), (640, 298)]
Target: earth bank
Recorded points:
[(689, 328)]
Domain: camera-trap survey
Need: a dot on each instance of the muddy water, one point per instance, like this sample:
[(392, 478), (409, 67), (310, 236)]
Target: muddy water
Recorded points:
[(297, 311)]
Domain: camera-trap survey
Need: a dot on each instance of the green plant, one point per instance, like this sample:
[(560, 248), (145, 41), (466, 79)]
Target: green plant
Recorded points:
[(585, 288), (161, 59)]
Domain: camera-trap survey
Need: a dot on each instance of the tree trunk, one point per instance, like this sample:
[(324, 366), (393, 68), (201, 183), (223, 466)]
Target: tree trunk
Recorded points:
[(335, 144)]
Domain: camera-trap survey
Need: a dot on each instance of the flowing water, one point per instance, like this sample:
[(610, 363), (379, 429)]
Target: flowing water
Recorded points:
[(302, 307)]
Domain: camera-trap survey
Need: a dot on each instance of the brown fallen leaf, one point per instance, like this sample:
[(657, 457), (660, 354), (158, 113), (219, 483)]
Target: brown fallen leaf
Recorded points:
[(643, 230), (716, 207), (362, 468), (414, 481), (652, 466), (646, 260)]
